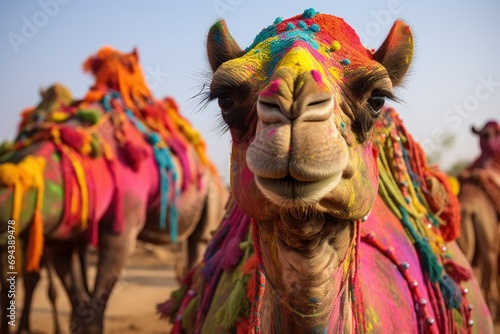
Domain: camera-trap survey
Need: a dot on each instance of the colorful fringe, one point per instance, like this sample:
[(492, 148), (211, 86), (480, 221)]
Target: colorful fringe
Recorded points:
[(422, 198)]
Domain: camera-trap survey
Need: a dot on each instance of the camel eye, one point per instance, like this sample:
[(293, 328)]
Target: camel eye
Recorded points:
[(376, 103), (225, 103)]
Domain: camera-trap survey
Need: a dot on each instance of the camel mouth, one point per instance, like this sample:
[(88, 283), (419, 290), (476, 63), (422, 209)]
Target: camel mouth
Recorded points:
[(290, 192)]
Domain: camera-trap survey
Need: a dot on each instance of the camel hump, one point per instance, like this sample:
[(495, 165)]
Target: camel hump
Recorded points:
[(54, 98)]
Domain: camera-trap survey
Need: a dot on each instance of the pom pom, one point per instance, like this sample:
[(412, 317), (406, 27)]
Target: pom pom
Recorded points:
[(457, 272), (171, 306), (345, 61), (71, 137), (315, 28), (309, 13), (335, 46), (88, 116)]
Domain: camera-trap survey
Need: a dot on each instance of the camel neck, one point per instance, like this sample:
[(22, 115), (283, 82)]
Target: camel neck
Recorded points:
[(307, 279)]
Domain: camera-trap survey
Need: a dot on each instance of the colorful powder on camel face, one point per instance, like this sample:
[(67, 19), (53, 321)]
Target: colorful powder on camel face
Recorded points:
[(325, 37)]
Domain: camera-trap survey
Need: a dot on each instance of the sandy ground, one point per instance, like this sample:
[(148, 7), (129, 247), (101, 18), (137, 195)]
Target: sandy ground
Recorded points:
[(147, 280)]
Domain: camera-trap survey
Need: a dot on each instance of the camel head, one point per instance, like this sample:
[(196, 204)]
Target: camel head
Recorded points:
[(489, 137), (301, 103), (121, 72)]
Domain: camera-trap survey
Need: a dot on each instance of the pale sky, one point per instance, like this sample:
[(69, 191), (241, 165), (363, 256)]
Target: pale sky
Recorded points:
[(454, 80)]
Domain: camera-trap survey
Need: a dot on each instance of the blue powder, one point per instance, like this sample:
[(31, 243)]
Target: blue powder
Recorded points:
[(262, 36), (290, 26), (315, 28), (314, 300), (287, 39), (278, 20), (309, 13), (302, 24)]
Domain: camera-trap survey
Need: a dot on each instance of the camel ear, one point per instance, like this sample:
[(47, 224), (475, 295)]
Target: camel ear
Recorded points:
[(396, 53), (474, 130), (42, 91), (221, 46), (135, 53)]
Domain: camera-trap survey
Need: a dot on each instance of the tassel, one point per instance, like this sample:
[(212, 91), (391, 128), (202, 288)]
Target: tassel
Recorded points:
[(71, 137), (457, 272), (96, 150), (189, 314), (134, 155), (427, 257), (451, 293), (232, 254), (212, 264), (429, 260), (35, 244), (243, 326), (237, 305), (171, 306), (59, 116)]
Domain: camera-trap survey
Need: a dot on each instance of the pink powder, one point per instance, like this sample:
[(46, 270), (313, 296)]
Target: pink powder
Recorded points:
[(273, 88), (317, 76)]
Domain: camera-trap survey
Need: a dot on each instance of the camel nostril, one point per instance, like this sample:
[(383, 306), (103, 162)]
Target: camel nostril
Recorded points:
[(270, 111), (316, 108)]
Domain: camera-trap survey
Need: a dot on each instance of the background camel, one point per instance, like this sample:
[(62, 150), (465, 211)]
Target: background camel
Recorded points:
[(480, 202), (351, 230), (106, 170)]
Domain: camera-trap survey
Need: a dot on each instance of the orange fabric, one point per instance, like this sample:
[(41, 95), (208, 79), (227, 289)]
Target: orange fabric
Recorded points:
[(121, 72), (35, 243)]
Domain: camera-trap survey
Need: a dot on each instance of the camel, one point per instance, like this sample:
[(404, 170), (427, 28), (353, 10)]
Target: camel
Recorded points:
[(106, 170), (338, 225), (480, 210)]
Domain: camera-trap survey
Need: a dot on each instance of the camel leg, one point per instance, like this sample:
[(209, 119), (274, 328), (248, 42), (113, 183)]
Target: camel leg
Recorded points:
[(467, 239), (487, 257), (82, 255), (30, 281), (113, 251), (181, 259), (52, 294), (213, 213), (64, 259)]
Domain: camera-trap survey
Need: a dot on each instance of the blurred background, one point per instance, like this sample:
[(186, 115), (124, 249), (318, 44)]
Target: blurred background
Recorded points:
[(454, 82)]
